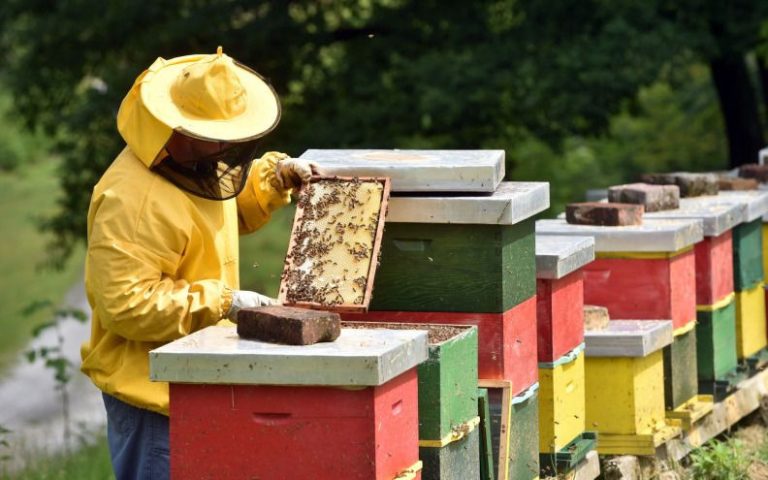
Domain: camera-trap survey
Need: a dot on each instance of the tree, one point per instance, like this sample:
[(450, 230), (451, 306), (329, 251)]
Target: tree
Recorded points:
[(723, 34), (351, 73)]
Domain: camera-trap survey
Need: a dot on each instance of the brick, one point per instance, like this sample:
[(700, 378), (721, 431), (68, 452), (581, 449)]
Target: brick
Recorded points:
[(653, 197), (736, 183), (604, 214), (595, 317), (691, 184), (754, 170), (289, 325)]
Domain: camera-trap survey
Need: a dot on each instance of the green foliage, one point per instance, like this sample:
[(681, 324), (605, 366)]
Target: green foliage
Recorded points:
[(720, 460), (17, 146), (89, 462), (534, 78), (668, 128), (26, 194)]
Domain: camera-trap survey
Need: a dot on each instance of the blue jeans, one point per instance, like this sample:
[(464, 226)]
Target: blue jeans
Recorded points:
[(138, 441)]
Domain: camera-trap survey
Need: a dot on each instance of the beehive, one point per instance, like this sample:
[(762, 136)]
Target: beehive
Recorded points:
[(625, 361), (643, 271), (750, 321), (447, 381), (560, 293), (481, 246), (334, 243), (561, 401), (714, 289), (748, 272), (716, 340), (506, 341), (228, 394)]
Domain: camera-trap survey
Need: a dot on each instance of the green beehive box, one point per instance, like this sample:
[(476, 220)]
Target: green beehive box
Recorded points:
[(455, 267), (523, 434), (459, 460), (680, 370), (747, 255), (716, 342), (447, 379), (448, 382)]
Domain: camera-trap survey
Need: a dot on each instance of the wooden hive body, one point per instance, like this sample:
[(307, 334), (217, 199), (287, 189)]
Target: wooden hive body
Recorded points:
[(561, 402), (506, 341)]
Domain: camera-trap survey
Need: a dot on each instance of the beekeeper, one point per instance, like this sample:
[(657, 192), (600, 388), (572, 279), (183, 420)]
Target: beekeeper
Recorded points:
[(163, 228)]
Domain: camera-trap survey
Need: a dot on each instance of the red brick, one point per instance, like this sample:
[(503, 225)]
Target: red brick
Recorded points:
[(289, 325), (605, 214), (653, 197), (754, 170), (736, 183)]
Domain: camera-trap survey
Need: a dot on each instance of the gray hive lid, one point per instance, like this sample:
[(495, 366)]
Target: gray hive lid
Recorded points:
[(557, 256), (661, 235), (755, 201), (216, 355), (717, 218), (418, 170), (511, 203), (628, 338)]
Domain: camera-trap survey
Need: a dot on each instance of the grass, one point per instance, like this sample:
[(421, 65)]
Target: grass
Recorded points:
[(26, 194), (90, 462)]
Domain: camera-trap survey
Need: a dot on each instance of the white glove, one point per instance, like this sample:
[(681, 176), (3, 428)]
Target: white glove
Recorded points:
[(292, 172), (246, 299)]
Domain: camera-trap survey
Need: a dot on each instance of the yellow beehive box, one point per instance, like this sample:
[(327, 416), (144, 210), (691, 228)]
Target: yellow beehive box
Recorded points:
[(750, 321), (624, 380), (561, 401), (765, 252)]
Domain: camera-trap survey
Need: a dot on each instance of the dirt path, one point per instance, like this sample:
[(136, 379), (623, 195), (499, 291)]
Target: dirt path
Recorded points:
[(31, 405)]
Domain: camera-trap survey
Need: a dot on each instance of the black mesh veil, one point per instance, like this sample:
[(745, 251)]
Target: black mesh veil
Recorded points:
[(218, 176)]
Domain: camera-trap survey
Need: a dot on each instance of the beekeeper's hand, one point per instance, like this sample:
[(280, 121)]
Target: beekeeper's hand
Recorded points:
[(292, 172), (245, 299)]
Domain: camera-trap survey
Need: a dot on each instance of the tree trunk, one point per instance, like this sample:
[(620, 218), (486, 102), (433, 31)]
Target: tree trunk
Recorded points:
[(738, 104)]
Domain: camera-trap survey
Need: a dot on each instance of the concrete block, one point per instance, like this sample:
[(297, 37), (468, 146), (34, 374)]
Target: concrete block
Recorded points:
[(604, 214), (288, 325), (653, 197)]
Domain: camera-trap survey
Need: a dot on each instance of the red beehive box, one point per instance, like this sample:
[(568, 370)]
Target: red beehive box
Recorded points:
[(647, 288), (506, 341), (560, 293), (223, 428), (714, 269)]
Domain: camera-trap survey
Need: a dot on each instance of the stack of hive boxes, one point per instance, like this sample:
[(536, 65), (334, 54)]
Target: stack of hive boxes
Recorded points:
[(645, 272), (463, 258), (563, 442), (748, 275), (715, 300)]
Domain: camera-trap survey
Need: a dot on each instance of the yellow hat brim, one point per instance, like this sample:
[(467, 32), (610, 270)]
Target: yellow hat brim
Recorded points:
[(261, 115)]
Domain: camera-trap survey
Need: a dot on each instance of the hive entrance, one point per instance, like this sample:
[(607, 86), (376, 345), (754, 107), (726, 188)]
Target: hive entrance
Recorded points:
[(334, 245)]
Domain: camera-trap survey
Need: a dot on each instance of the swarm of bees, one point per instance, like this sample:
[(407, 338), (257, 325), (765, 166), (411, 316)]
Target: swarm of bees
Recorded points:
[(332, 242)]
